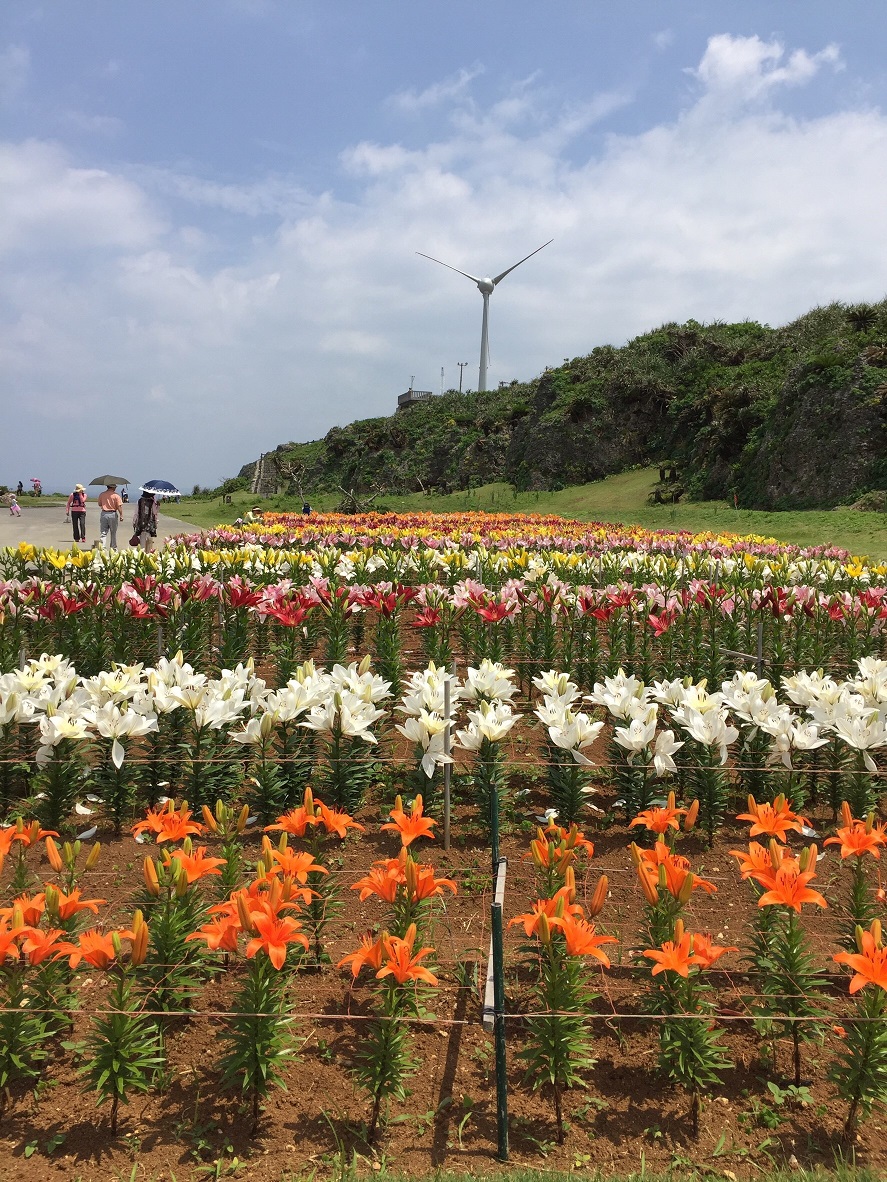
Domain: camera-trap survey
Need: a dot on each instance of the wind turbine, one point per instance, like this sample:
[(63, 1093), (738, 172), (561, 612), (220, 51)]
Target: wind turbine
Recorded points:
[(485, 286)]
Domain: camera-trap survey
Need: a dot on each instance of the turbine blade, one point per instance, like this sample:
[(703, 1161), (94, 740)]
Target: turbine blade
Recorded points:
[(499, 278), (473, 278)]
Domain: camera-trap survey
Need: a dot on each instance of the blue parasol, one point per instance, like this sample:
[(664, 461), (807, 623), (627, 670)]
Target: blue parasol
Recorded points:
[(160, 487)]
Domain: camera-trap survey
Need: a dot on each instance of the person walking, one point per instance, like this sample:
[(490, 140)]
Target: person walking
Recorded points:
[(111, 516), (15, 508), (144, 521), (75, 512)]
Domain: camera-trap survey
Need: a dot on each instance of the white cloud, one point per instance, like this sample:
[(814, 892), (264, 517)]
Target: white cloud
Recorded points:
[(454, 87), (110, 296), (48, 205), (93, 124), (747, 68), (15, 68)]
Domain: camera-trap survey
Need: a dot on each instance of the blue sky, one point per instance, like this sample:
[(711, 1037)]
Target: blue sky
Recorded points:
[(209, 212)]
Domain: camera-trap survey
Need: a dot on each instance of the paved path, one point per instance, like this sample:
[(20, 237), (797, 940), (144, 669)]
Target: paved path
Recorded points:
[(44, 525)]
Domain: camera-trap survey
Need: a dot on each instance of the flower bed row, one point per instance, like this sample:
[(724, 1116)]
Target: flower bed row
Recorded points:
[(207, 917)]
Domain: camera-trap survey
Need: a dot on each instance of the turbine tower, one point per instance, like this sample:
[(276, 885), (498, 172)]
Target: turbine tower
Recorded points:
[(485, 286)]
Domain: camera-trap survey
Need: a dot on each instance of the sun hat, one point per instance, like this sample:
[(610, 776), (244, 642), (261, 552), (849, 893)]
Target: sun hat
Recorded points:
[(79, 488)]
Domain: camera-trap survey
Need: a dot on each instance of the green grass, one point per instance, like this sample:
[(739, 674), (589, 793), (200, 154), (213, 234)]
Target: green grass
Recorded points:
[(351, 1171), (618, 499)]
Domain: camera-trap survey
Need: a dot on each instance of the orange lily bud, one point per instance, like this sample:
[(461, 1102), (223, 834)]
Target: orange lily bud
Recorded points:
[(570, 882), (308, 801), (752, 804), (209, 820), (261, 871), (775, 853), (53, 856), (18, 918), (51, 901), (650, 892), (398, 804), (846, 814), (411, 876), (139, 944), (92, 858), (284, 842), (807, 859), (686, 889), (118, 947), (187, 846), (33, 831), (242, 818), (869, 823), (670, 800), (181, 880), (859, 933), (152, 882), (246, 920), (543, 929), (678, 931), (598, 898), (635, 853), (779, 803), (691, 815), (876, 932), (559, 907)]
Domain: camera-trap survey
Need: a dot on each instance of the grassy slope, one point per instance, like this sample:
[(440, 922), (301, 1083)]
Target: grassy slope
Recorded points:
[(618, 499)]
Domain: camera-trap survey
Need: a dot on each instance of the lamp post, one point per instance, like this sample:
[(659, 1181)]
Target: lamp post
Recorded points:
[(461, 365)]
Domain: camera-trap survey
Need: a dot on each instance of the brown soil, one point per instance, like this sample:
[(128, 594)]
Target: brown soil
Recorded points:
[(628, 1113)]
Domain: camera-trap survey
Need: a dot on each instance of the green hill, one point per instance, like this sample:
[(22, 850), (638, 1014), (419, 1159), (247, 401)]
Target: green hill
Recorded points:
[(780, 418)]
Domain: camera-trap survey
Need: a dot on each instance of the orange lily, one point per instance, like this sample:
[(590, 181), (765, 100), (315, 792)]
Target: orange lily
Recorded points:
[(582, 940), (274, 933), (196, 864), (96, 948), (870, 962), (168, 824), (383, 880), (759, 860), (65, 906), (38, 944), (558, 909), (295, 864), (337, 821), (402, 963), (219, 933), (369, 953), (29, 832), (857, 837), (409, 825), (774, 819), (30, 909), (8, 939), (788, 888), (658, 819), (707, 953), (421, 883), (660, 867), (673, 956)]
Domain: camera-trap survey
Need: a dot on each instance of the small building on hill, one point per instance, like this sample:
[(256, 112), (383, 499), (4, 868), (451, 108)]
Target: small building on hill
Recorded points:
[(411, 397)]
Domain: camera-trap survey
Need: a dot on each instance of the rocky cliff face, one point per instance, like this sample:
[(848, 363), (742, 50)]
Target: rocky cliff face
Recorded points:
[(787, 417)]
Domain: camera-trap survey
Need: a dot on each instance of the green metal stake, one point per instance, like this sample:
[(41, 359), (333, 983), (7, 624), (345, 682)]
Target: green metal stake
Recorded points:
[(499, 1032)]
